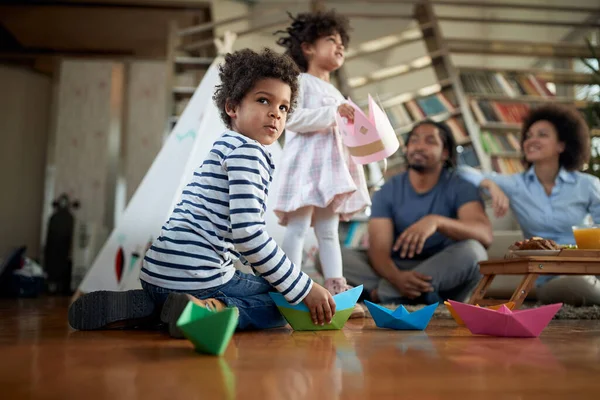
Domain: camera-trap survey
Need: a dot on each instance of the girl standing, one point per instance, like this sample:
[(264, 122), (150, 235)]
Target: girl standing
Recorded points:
[(322, 183)]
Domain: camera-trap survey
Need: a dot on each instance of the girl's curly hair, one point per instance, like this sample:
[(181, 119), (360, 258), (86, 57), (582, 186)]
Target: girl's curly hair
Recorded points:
[(571, 128), (307, 28), (244, 68)]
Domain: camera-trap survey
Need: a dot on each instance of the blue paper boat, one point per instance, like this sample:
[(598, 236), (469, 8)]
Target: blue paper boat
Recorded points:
[(400, 318), (298, 316)]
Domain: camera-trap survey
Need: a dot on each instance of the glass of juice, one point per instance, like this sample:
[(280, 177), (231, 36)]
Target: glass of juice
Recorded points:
[(587, 236)]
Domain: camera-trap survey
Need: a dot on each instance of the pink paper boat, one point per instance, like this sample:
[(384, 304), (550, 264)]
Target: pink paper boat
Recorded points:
[(369, 138), (504, 322)]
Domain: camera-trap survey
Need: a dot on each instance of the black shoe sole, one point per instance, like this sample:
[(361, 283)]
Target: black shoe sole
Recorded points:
[(111, 310), (171, 312)]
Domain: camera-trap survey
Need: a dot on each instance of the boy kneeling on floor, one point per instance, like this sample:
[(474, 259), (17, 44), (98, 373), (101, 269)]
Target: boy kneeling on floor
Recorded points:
[(220, 218)]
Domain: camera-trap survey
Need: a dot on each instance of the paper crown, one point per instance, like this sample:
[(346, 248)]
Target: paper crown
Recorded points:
[(298, 316), (369, 139), (400, 318)]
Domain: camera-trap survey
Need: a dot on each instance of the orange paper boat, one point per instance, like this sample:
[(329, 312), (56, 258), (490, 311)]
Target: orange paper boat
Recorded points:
[(510, 305)]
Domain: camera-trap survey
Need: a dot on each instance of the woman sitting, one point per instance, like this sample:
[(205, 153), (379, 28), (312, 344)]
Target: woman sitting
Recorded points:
[(551, 195)]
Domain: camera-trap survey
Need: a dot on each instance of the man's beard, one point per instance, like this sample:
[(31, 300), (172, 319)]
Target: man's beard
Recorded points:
[(418, 168)]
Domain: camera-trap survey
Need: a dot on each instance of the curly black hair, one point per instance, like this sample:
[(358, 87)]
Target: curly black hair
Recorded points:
[(244, 68), (571, 128), (448, 141), (307, 28)]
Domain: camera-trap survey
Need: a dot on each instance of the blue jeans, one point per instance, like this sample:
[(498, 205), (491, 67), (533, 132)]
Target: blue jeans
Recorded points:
[(247, 292)]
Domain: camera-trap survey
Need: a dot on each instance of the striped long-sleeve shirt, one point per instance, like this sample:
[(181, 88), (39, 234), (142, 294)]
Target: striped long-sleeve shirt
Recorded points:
[(219, 219)]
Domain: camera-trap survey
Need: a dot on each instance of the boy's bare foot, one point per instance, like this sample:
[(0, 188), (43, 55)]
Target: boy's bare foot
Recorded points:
[(174, 306), (339, 285)]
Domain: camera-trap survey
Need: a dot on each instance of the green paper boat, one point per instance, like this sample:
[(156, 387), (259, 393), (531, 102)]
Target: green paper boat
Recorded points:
[(298, 316), (209, 331)]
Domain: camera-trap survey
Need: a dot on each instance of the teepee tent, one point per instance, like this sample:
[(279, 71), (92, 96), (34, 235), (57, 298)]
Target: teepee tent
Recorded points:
[(119, 261)]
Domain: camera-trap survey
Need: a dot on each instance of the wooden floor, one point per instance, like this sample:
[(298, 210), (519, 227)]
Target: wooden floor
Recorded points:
[(41, 357)]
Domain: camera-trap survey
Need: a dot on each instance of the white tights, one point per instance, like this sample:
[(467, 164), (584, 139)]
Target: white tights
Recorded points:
[(326, 230)]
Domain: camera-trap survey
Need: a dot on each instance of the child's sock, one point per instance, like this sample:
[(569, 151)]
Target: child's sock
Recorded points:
[(112, 310), (174, 306), (339, 285), (336, 285)]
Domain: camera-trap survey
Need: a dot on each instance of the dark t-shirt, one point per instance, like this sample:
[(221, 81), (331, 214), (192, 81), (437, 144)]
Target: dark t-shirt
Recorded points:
[(398, 201)]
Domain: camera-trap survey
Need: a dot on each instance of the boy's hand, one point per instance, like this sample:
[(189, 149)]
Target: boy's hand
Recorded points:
[(346, 110), (321, 305)]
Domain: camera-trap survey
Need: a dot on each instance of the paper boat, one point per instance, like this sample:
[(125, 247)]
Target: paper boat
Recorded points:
[(368, 139), (400, 318), (510, 305), (209, 331), (298, 316), (504, 322)]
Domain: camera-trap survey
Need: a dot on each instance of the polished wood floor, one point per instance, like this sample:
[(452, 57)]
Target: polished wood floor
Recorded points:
[(41, 357)]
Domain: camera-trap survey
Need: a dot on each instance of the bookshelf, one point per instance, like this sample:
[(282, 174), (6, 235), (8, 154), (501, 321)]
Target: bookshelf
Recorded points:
[(484, 106), (500, 99), (461, 122), (492, 102)]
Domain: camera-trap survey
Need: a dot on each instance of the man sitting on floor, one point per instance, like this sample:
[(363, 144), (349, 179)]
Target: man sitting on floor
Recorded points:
[(428, 229)]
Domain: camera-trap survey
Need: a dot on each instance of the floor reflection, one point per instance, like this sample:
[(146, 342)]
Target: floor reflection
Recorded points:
[(417, 341), (506, 353), (306, 365)]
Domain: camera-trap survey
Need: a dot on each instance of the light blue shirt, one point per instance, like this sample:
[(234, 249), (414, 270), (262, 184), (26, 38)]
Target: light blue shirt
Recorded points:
[(574, 197)]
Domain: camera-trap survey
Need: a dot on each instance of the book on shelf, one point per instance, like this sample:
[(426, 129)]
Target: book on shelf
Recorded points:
[(459, 131), (500, 143), (506, 112), (357, 235), (509, 84), (418, 109), (466, 155), (507, 165)]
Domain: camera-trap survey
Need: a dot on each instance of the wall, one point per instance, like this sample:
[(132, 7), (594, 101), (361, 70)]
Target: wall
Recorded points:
[(85, 148), (25, 104), (145, 117), (109, 125)]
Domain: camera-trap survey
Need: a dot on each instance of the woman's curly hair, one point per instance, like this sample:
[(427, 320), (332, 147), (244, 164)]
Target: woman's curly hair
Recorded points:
[(571, 128), (307, 28), (244, 68)]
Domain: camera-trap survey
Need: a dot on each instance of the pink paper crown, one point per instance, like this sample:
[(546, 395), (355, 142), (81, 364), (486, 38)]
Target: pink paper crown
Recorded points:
[(369, 139)]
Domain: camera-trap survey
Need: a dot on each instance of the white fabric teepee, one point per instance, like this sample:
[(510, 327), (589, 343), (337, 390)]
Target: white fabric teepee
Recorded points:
[(119, 261)]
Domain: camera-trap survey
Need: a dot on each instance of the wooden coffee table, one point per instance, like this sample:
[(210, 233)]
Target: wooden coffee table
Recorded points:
[(567, 262)]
